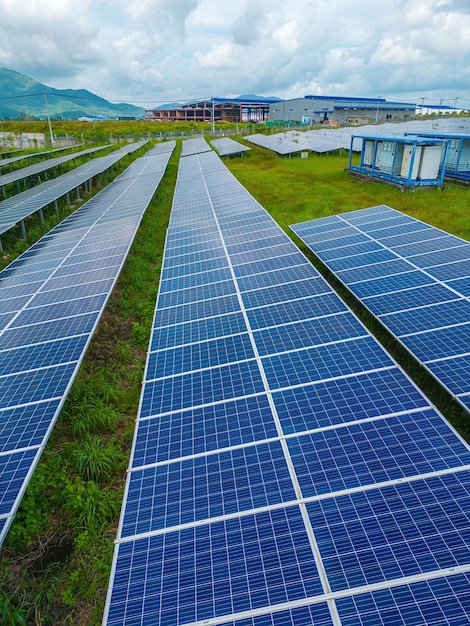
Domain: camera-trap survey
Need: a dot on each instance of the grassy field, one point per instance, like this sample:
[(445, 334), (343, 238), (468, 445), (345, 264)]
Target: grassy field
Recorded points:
[(55, 563), (295, 190)]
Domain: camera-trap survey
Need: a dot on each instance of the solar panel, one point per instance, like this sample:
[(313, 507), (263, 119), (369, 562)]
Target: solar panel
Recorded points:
[(226, 146), (194, 146), (416, 284), (23, 204), (43, 166), (53, 296), (281, 457), (278, 143)]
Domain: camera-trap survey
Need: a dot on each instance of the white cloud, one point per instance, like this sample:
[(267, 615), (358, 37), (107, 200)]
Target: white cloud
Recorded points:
[(156, 50)]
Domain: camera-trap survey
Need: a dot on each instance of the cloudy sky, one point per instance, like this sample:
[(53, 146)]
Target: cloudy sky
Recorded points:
[(148, 52)]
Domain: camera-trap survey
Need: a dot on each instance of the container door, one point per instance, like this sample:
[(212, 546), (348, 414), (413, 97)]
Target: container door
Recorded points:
[(430, 162), (406, 162)]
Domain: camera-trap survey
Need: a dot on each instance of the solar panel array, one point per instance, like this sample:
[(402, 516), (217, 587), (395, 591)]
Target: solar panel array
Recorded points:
[(23, 204), (43, 166), (278, 143), (413, 277), (326, 139), (284, 468), (21, 157), (194, 146), (319, 141), (227, 147), (51, 299)]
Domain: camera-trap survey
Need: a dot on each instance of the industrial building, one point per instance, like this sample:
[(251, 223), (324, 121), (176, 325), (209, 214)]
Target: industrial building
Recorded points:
[(341, 111), (243, 109)]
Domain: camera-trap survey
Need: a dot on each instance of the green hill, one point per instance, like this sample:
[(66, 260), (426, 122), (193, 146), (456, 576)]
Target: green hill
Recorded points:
[(21, 96)]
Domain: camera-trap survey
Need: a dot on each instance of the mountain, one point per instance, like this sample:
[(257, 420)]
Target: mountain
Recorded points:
[(253, 97), (21, 96)]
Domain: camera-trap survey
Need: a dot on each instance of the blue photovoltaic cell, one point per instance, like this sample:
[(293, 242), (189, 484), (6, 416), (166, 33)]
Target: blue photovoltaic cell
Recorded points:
[(258, 244), (414, 239), (357, 248), (462, 286), (203, 429), (195, 258), (25, 426), (378, 270), (206, 487), (57, 329), (428, 318), (285, 292), (260, 255), (250, 234), (301, 309), (12, 304), (59, 310), (400, 530), (43, 384), (438, 242), (193, 294), (449, 271), (193, 280), (80, 290), (392, 226), (277, 277), (177, 271), (439, 344), (331, 361), (14, 468), (360, 260), (330, 233), (267, 265), (206, 386), (374, 452), (409, 299), (336, 245), (196, 310), (454, 373), (439, 601), (347, 399), (59, 288), (42, 355), (198, 330), (311, 615), (308, 333), (89, 276), (445, 256), (203, 572), (199, 355)]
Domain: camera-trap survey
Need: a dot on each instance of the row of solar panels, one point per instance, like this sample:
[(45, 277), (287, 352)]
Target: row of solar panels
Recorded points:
[(413, 277), (9, 160), (16, 209), (326, 140), (284, 470), (43, 166), (51, 298)]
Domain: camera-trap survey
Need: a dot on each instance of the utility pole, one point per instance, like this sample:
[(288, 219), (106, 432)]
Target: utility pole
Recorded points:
[(49, 120), (377, 111)]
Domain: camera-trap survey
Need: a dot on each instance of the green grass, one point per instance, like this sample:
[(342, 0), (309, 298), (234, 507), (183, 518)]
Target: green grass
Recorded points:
[(295, 190)]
